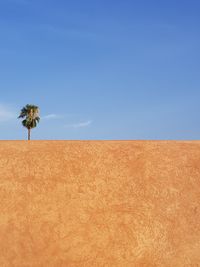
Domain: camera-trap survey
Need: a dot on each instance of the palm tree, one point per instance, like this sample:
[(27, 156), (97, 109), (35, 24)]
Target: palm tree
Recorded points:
[(30, 116)]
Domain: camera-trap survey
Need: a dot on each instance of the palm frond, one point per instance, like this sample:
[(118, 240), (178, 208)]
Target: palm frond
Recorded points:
[(30, 114)]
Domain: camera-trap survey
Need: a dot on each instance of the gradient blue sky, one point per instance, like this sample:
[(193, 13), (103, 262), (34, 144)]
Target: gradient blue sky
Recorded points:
[(101, 69)]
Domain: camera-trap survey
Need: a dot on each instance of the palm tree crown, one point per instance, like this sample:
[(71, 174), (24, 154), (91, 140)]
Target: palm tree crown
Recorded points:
[(30, 116)]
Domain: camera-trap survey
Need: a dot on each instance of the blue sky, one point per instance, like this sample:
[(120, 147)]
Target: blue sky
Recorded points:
[(101, 69)]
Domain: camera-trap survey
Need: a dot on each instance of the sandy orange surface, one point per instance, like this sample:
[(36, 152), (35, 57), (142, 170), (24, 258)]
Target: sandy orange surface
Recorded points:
[(99, 203)]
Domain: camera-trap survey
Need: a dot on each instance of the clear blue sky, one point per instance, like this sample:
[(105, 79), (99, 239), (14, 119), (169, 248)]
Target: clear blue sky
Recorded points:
[(101, 69)]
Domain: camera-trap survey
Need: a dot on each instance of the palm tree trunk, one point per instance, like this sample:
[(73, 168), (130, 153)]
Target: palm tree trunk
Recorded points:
[(29, 134)]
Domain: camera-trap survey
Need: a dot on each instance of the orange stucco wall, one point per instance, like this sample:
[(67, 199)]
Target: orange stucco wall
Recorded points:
[(99, 203)]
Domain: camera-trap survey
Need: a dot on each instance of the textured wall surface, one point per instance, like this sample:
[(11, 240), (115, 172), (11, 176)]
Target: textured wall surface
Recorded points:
[(99, 203)]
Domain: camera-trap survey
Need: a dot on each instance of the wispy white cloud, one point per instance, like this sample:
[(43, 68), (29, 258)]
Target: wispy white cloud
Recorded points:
[(6, 113), (51, 116), (79, 125)]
